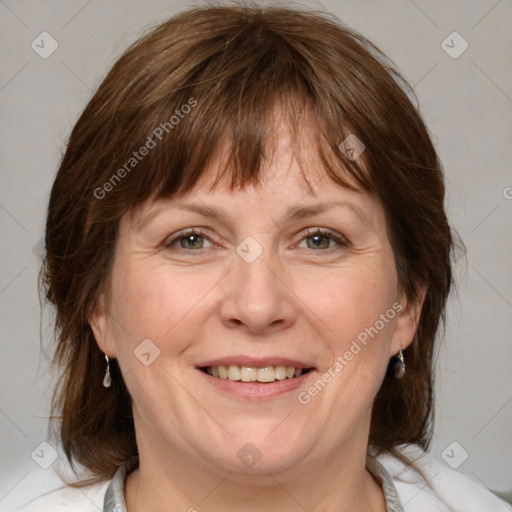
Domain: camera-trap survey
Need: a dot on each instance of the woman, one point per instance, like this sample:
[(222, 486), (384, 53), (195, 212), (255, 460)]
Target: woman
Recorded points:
[(249, 258)]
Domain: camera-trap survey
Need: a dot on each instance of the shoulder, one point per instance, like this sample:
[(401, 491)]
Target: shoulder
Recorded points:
[(448, 490), (42, 491)]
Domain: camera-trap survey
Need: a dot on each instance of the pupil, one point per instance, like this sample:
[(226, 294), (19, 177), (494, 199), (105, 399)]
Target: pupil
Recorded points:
[(319, 240), (192, 240)]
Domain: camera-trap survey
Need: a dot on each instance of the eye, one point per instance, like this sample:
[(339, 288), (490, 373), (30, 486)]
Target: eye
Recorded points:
[(323, 239), (191, 239), (195, 239)]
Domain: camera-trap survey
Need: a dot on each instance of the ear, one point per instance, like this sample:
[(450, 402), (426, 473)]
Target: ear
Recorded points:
[(406, 321), (98, 320)]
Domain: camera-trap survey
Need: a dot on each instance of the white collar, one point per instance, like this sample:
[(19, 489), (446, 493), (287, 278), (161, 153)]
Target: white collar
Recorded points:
[(114, 495), (444, 489)]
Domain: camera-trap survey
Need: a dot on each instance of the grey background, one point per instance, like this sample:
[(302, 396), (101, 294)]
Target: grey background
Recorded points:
[(467, 103)]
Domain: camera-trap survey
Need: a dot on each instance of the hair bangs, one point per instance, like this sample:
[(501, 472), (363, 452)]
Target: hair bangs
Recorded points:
[(224, 118)]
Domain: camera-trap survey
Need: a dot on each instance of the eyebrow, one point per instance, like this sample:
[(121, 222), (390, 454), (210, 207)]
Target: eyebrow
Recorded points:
[(294, 213)]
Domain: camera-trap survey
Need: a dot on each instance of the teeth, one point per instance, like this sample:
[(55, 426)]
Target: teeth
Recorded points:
[(234, 372), (267, 374), (252, 374), (248, 374), (223, 372), (281, 372)]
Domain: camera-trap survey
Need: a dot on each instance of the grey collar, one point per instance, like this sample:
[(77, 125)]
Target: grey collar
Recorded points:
[(380, 474), (114, 496)]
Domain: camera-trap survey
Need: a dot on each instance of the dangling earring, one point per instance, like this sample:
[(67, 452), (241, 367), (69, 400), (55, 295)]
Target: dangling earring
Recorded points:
[(399, 368), (107, 381)]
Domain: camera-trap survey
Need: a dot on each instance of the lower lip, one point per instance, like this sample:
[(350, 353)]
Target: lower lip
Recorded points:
[(257, 390)]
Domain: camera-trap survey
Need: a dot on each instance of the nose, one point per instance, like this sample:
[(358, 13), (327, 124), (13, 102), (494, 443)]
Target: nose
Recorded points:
[(257, 297)]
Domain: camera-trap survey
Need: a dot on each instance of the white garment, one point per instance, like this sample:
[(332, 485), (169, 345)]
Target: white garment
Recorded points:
[(449, 491)]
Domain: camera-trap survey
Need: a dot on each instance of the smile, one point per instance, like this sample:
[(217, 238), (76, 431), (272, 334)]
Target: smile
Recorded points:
[(265, 374)]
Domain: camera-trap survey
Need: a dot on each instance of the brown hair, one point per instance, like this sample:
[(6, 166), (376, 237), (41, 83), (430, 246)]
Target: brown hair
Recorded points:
[(231, 65)]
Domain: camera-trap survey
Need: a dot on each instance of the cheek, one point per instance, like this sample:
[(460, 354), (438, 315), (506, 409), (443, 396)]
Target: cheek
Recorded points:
[(352, 311), (151, 301), (347, 308), (350, 299)]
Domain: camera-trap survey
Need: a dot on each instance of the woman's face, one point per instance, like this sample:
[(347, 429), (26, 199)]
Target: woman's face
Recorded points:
[(249, 282)]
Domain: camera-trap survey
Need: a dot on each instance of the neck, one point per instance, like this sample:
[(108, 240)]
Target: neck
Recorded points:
[(175, 482)]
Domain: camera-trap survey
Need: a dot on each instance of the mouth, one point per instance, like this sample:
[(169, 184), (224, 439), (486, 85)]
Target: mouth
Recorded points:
[(256, 378), (264, 374)]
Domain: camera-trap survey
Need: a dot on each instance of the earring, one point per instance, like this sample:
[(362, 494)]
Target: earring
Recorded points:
[(107, 381), (399, 368)]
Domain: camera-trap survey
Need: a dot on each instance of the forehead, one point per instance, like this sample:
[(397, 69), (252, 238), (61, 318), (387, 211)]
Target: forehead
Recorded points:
[(282, 194), (283, 179), (291, 169)]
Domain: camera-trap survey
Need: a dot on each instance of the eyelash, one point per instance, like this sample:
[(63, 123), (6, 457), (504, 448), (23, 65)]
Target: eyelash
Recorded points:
[(342, 242)]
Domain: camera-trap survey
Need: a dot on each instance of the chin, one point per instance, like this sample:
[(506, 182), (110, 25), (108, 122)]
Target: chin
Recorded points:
[(261, 452)]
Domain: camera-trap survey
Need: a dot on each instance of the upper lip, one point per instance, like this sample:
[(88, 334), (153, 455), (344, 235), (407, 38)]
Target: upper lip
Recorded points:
[(255, 362)]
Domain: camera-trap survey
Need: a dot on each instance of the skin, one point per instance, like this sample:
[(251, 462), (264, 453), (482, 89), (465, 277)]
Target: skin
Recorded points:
[(295, 301)]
